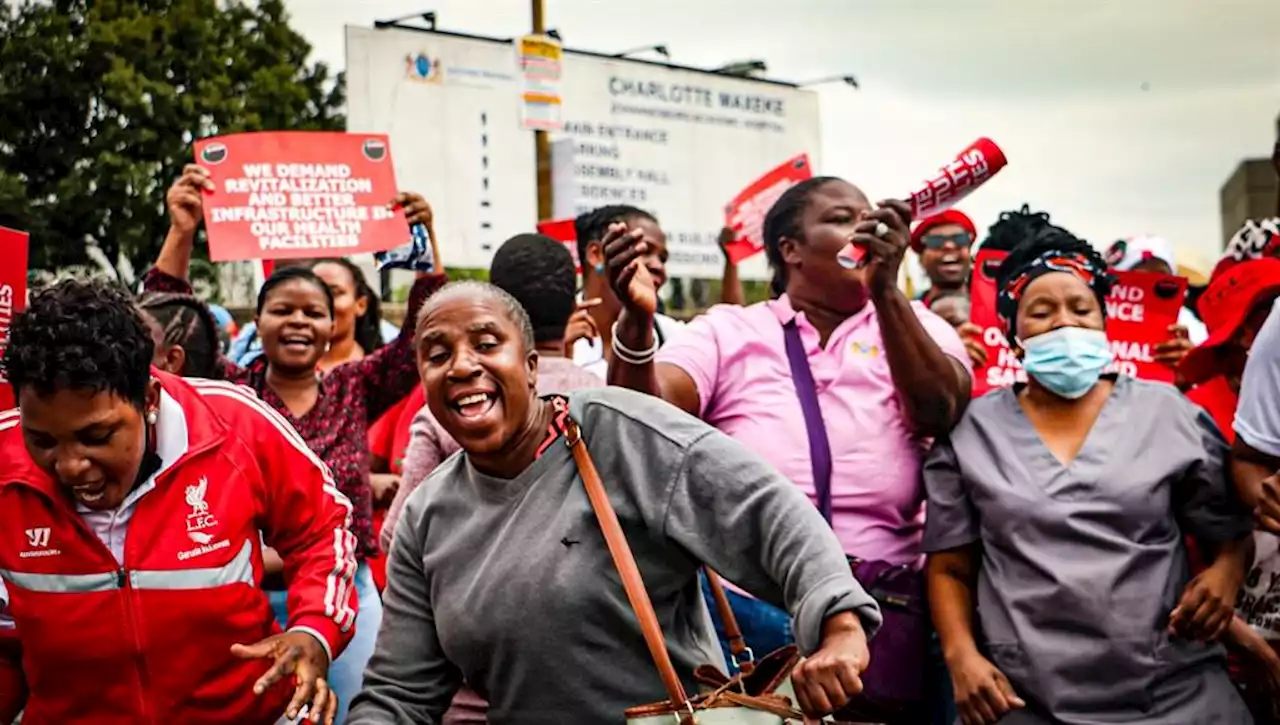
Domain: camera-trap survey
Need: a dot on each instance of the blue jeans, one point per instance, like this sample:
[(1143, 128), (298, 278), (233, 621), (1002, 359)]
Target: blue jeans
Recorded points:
[(767, 628), (346, 674), (764, 627)]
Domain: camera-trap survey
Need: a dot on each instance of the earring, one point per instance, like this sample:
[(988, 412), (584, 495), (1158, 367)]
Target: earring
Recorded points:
[(152, 417), (599, 268)]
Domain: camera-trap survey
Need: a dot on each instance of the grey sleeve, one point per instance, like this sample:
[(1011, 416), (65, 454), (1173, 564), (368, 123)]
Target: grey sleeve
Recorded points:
[(1258, 417), (736, 513), (1207, 505), (950, 518), (408, 678)]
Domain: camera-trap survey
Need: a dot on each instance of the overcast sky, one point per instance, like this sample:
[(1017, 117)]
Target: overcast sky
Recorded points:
[(1119, 117)]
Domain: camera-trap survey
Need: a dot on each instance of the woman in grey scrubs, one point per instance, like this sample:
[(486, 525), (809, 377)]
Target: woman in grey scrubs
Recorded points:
[(1056, 512)]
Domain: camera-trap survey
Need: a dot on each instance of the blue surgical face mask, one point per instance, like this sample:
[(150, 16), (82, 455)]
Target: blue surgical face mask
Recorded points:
[(1067, 360)]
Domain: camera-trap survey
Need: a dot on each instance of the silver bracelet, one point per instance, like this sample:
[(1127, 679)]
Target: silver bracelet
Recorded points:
[(634, 357)]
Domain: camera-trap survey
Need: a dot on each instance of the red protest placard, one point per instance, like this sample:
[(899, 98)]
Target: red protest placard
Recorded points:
[(299, 194), (1140, 309), (563, 231), (1002, 368), (745, 214), (13, 294)]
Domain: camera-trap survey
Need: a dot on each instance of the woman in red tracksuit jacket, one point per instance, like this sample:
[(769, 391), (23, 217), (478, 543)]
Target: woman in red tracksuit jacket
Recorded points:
[(134, 505)]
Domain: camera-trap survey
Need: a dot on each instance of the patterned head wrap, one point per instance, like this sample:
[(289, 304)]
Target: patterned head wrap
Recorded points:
[(1087, 266)]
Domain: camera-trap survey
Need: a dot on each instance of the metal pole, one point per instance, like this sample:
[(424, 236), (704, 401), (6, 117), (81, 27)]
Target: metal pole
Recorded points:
[(541, 143)]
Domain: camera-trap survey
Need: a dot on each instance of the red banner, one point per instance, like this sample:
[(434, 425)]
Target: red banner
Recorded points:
[(1140, 309), (13, 295), (1003, 368), (299, 194), (745, 214), (563, 231)]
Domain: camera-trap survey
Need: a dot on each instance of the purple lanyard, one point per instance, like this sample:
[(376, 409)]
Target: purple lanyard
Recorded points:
[(807, 392)]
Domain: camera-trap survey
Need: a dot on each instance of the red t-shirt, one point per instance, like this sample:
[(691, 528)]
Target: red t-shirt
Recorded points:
[(389, 436), (389, 439), (1219, 401)]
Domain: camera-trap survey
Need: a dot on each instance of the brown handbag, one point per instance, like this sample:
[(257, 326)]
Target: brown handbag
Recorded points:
[(761, 695)]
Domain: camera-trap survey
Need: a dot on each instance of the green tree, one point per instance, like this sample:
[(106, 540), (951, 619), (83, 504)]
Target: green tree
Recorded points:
[(101, 99)]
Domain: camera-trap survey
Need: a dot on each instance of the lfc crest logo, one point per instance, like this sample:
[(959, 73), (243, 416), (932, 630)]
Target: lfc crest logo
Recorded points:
[(199, 519)]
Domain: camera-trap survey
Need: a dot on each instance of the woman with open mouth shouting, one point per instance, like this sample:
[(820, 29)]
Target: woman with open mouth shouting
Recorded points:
[(332, 410), (134, 505), (500, 573)]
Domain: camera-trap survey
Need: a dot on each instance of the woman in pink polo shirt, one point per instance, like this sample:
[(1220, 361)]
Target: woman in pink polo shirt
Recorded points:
[(839, 382)]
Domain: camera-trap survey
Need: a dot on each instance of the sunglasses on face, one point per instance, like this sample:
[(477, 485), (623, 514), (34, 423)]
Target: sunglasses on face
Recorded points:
[(937, 241)]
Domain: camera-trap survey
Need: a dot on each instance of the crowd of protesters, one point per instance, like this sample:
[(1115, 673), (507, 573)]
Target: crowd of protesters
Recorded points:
[(314, 517)]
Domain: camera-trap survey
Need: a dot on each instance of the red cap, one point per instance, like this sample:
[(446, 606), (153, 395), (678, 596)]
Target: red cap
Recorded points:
[(1224, 306), (950, 216)]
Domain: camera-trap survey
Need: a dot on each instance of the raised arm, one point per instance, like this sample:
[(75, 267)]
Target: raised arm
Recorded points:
[(932, 385), (390, 374), (186, 212), (634, 286), (170, 272), (408, 678), (731, 292)]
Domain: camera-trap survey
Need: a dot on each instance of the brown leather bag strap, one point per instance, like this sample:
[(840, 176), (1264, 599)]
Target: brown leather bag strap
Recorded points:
[(737, 644), (626, 565)]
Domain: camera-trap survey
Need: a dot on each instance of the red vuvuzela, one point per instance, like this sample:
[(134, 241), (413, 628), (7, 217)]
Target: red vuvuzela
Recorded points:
[(953, 182)]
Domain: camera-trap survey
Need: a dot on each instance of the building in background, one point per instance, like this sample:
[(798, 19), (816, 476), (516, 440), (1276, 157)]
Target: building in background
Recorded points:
[(1251, 192)]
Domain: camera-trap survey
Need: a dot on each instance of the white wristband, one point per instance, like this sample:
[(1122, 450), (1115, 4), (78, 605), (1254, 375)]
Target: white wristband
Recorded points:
[(634, 357)]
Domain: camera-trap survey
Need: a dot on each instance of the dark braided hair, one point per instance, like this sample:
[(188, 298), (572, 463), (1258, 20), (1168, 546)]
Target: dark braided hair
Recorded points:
[(368, 327), (81, 335), (1013, 228), (186, 321), (538, 271), (591, 226), (783, 221)]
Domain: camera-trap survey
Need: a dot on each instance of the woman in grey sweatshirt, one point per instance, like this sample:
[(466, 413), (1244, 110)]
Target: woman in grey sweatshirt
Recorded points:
[(501, 575)]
